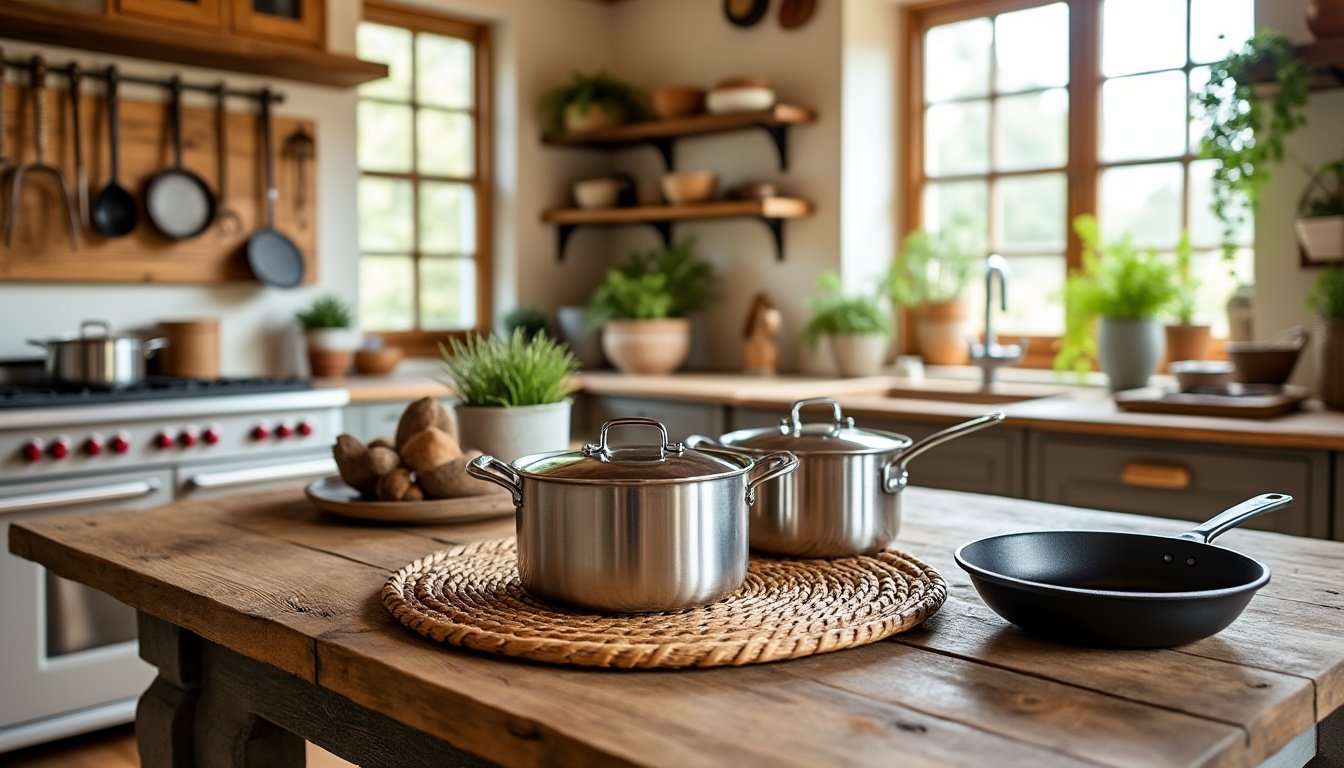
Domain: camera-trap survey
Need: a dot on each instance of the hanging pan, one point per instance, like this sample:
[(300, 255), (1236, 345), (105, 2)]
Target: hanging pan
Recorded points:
[(179, 203), (274, 258)]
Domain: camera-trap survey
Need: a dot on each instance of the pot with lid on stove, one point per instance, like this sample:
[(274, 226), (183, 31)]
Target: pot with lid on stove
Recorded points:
[(844, 500), (96, 357), (633, 529)]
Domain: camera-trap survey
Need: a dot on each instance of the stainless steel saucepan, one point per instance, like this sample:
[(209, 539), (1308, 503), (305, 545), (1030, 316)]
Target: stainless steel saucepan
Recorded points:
[(99, 358), (844, 500), (633, 529)]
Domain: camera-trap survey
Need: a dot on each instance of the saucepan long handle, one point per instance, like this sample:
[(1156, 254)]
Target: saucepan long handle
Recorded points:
[(894, 475), (492, 470), (1226, 521)]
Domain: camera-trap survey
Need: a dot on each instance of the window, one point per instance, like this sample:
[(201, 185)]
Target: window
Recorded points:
[(424, 191), (1031, 113)]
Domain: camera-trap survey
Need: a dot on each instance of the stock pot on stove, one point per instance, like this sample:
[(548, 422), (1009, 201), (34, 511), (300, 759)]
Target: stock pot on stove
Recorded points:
[(96, 357)]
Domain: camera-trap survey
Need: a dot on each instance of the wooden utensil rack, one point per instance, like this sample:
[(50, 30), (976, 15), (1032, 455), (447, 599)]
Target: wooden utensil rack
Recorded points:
[(40, 251)]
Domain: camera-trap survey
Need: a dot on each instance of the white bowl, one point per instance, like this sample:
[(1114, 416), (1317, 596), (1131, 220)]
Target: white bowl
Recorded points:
[(683, 187), (722, 101), (597, 193)]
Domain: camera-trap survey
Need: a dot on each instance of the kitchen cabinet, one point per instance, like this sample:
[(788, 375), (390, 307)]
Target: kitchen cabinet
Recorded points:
[(991, 461), (1170, 478), (201, 13), (680, 418), (290, 21)]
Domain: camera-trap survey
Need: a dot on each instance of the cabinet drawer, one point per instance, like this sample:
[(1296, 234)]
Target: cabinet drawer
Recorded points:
[(990, 461), (1189, 481), (681, 419)]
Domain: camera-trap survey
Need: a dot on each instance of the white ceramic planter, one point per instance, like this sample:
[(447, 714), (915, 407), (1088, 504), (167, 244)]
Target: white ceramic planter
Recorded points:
[(859, 354), (648, 347), (818, 360), (333, 339), (1321, 238), (510, 433)]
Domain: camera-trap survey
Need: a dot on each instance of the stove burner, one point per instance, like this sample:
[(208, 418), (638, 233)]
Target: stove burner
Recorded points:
[(152, 388)]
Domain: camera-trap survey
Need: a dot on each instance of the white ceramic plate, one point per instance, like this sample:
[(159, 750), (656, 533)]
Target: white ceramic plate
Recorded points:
[(330, 494)]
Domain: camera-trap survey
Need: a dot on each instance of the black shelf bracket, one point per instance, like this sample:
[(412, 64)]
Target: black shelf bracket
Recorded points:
[(564, 231), (1338, 72), (779, 136), (667, 148), (776, 227), (664, 231)]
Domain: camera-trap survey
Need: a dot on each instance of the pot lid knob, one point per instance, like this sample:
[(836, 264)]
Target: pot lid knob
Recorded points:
[(793, 425), (643, 454)]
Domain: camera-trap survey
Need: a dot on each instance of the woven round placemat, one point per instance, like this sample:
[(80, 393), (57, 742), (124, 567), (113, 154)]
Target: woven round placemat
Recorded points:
[(470, 596)]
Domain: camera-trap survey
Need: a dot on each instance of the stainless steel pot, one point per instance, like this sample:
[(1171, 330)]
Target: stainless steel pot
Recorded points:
[(98, 359), (844, 499), (633, 529)]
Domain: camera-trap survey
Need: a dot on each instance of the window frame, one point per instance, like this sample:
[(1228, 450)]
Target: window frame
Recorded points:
[(420, 342)]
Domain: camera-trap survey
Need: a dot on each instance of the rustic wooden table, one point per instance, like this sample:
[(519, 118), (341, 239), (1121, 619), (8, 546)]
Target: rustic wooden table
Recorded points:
[(263, 618)]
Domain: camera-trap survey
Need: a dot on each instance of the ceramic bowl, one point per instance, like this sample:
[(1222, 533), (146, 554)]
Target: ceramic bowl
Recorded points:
[(739, 98), (1267, 362), (597, 193), (379, 361), (1207, 375), (678, 101), (682, 187)]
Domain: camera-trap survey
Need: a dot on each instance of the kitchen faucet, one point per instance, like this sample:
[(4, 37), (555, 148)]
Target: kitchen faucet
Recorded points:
[(991, 355)]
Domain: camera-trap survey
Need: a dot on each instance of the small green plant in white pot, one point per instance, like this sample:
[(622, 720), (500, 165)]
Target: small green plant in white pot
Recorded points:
[(857, 327), (1320, 215), (329, 333), (513, 393)]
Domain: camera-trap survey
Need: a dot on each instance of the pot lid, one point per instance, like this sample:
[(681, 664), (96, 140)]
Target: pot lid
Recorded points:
[(664, 462), (838, 436), (92, 330)]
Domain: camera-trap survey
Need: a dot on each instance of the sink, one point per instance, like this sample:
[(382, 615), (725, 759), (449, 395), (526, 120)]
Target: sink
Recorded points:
[(970, 392)]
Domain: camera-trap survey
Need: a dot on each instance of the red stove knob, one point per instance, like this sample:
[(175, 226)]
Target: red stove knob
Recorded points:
[(93, 445), (284, 430), (260, 432), (211, 435), (187, 438), (306, 428), (121, 443), (33, 450), (60, 448), (163, 440)]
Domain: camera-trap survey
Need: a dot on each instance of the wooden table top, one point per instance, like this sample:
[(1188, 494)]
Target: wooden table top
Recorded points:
[(277, 581)]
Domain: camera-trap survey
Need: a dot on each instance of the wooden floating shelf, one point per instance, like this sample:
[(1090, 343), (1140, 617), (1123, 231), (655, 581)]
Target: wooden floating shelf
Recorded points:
[(663, 133), (179, 45), (772, 211)]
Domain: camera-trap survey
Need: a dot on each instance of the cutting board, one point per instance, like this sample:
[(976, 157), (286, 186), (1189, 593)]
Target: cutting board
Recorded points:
[(1248, 405)]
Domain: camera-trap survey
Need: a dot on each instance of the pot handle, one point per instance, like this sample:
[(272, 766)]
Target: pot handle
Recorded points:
[(154, 345), (87, 324), (794, 424), (1226, 521), (39, 343), (604, 452), (894, 475), (492, 470), (695, 441), (776, 464)]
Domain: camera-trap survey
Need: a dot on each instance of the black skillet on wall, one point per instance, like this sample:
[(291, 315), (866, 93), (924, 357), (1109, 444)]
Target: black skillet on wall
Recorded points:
[(179, 203), (745, 13)]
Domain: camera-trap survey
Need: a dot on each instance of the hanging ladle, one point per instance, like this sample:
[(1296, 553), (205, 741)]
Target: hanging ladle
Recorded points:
[(39, 166), (114, 213)]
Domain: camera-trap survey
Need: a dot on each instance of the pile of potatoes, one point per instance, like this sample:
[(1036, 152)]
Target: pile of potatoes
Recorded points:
[(423, 462)]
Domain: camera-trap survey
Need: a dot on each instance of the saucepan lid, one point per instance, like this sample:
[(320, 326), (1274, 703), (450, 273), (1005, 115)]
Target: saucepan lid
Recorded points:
[(837, 436), (663, 462)]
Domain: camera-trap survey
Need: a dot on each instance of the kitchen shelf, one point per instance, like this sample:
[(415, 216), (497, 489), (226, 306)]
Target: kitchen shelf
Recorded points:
[(1324, 57), (663, 134), (180, 45), (771, 211)]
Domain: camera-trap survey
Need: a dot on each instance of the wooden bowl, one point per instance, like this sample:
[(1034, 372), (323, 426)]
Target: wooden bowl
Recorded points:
[(378, 361), (678, 101), (683, 187)]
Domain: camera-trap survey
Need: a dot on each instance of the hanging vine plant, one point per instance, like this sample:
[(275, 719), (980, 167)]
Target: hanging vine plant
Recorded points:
[(1247, 126)]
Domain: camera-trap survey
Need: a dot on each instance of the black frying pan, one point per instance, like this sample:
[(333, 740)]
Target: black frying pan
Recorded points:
[(179, 203), (1128, 590), (274, 258)]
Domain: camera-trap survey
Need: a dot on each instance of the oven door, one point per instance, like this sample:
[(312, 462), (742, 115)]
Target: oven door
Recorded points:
[(69, 661), (273, 473)]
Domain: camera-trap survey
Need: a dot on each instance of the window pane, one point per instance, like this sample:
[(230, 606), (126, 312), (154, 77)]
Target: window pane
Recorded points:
[(1143, 201), (443, 71), (1142, 36), (1199, 77), (444, 144), (386, 285), (1035, 299), (447, 218), (956, 60), (1033, 131), (1143, 116), (1033, 212), (1032, 48), (447, 294), (1205, 229), (959, 206), (1219, 27), (956, 138), (385, 215), (384, 137), (390, 46)]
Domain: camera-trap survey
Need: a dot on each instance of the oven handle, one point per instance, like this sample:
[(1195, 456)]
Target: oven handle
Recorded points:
[(67, 497), (262, 474)]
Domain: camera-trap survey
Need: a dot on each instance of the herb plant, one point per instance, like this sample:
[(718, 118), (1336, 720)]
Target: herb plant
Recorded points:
[(1118, 281), (835, 313), (1328, 191), (1327, 293), (1183, 306), (512, 372), (327, 311), (668, 282), (530, 320), (932, 268), (582, 91)]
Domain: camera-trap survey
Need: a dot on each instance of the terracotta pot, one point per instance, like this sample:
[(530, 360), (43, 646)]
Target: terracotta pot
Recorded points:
[(329, 363), (1330, 361), (1325, 18), (1188, 342), (593, 118), (647, 347), (941, 328)]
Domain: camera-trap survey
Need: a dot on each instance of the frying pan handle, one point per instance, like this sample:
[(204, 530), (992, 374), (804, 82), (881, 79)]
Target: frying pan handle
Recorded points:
[(894, 475), (1253, 507)]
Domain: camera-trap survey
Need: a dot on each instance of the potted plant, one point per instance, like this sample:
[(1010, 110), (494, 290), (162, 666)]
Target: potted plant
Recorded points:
[(643, 308), (1327, 301), (855, 326), (591, 102), (329, 335), (1185, 339), (1121, 291), (532, 321), (931, 276), (513, 393), (1320, 214)]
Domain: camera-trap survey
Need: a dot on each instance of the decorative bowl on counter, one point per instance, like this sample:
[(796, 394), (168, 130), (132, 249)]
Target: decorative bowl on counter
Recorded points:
[(597, 193), (682, 187), (678, 101), (379, 360), (1267, 362), (740, 94), (1206, 375)]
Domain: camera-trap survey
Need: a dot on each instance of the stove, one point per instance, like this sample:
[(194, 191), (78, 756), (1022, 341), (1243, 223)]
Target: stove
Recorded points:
[(69, 652)]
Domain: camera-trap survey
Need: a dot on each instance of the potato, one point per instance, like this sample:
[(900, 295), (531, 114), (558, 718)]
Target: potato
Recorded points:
[(413, 493), (451, 481), (355, 464), (384, 459), (383, 442), (419, 416), (429, 448), (394, 485)]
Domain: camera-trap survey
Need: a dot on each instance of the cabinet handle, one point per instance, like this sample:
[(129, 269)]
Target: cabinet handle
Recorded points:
[(1144, 474)]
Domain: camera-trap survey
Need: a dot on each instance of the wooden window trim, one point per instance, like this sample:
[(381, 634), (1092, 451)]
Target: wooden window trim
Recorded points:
[(420, 343)]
